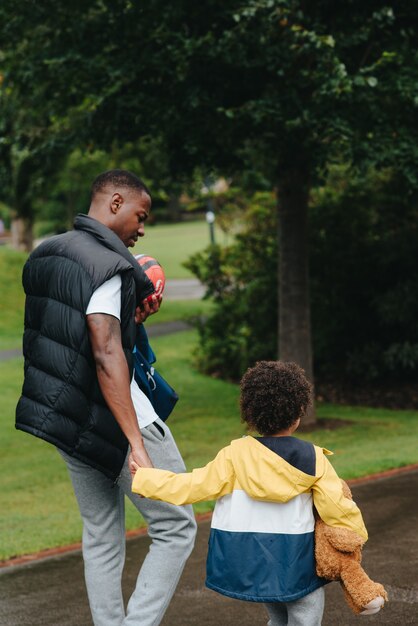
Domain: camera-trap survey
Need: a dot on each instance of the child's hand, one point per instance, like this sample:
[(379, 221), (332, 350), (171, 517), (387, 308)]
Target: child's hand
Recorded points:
[(133, 467)]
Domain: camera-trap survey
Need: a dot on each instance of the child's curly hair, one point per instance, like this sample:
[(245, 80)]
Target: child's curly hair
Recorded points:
[(274, 394)]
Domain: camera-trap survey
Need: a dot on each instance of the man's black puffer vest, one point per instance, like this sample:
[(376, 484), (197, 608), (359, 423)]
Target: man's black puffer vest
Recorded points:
[(61, 400)]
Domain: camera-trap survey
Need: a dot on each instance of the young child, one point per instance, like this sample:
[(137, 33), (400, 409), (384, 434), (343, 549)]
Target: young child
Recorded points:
[(261, 546)]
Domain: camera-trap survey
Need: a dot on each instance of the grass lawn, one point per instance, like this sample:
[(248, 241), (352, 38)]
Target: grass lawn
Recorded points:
[(172, 244), (37, 503), (179, 310), (12, 298)]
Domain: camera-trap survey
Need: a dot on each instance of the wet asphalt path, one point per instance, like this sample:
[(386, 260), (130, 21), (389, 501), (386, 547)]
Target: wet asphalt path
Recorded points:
[(51, 592)]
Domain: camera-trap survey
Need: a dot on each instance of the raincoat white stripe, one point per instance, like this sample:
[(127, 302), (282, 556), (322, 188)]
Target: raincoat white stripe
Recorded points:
[(238, 512)]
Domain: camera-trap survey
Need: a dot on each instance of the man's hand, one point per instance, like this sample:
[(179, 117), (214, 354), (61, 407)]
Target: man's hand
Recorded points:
[(138, 458), (148, 307)]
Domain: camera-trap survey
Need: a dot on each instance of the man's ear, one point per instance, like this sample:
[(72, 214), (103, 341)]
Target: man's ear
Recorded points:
[(116, 202)]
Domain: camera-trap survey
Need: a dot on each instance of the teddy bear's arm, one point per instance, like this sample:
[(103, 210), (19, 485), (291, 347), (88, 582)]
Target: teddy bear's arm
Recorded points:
[(343, 539)]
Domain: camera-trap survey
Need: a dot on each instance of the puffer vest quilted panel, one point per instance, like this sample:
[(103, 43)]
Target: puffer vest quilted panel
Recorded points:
[(61, 400)]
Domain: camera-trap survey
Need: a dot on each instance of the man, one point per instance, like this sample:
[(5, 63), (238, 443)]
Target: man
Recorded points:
[(82, 291)]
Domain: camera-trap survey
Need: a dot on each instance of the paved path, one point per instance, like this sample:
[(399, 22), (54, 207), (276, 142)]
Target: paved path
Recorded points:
[(156, 330), (51, 592), (184, 289), (5, 355)]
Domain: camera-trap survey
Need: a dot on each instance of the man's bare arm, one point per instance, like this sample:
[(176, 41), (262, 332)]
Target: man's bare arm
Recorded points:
[(114, 380)]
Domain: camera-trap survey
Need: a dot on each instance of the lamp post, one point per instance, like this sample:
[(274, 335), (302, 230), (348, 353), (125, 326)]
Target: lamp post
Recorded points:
[(210, 213), (210, 218)]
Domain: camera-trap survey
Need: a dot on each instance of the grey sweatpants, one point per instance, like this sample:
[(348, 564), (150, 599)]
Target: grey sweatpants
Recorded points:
[(171, 528), (306, 611)]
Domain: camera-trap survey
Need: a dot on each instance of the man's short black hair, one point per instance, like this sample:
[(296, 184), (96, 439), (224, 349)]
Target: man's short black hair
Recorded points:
[(274, 394), (118, 178)]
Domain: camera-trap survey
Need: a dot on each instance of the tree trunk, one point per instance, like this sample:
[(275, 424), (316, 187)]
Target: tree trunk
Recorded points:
[(23, 214), (22, 233), (295, 343), (174, 207)]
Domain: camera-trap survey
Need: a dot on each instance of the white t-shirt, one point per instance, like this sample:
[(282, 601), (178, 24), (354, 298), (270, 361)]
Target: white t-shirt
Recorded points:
[(107, 299)]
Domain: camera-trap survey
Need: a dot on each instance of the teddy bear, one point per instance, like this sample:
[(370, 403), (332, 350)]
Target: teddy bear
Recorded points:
[(338, 557)]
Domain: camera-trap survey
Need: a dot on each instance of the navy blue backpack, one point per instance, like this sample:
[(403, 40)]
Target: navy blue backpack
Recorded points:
[(162, 397)]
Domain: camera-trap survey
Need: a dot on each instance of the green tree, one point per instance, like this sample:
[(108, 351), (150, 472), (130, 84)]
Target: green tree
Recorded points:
[(290, 87), (31, 152), (283, 86)]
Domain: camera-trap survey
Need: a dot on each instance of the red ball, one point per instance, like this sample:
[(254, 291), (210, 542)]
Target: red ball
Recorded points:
[(153, 270)]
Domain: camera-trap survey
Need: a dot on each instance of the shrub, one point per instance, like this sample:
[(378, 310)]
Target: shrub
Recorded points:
[(241, 280), (364, 286)]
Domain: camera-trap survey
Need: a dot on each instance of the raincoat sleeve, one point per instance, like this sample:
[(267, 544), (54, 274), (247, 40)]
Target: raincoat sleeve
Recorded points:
[(330, 502), (205, 483)]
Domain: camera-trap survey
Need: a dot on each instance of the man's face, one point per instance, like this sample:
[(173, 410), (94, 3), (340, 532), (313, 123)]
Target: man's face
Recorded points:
[(131, 209)]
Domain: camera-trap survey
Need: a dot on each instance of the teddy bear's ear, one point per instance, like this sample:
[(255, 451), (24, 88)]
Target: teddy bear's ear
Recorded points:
[(343, 539)]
